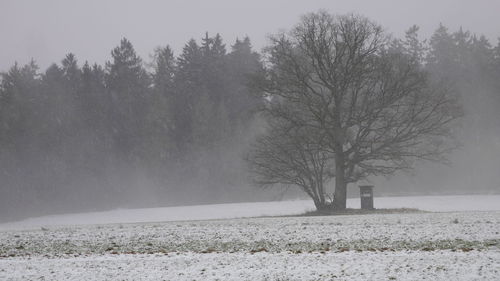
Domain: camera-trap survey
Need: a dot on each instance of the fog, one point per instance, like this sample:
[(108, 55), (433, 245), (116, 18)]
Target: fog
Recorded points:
[(70, 154), (47, 30)]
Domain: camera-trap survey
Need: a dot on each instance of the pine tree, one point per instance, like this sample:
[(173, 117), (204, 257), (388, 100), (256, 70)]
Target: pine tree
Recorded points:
[(244, 100), (128, 84), (71, 72), (158, 145), (188, 85), (442, 56)]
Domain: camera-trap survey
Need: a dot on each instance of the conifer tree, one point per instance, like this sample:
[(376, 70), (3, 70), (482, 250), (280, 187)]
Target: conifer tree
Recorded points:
[(128, 84)]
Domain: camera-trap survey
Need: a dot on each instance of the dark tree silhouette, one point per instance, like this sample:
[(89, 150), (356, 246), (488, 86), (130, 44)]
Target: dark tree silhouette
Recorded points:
[(369, 98)]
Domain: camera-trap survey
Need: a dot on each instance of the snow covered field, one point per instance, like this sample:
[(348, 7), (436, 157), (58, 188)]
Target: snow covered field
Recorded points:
[(401, 265), (462, 243), (257, 209)]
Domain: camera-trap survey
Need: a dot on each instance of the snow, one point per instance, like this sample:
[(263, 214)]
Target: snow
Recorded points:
[(405, 265), (441, 203), (204, 243), (242, 210), (395, 231)]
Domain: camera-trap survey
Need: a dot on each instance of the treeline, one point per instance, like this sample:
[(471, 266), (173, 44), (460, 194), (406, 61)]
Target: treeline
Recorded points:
[(470, 65), (122, 134), (175, 130)]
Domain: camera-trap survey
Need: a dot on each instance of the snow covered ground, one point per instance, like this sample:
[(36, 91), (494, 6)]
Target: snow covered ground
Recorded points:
[(402, 265), (257, 209), (462, 243)]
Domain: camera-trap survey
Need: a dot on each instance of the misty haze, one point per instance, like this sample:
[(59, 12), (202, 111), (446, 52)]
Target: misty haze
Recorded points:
[(231, 140)]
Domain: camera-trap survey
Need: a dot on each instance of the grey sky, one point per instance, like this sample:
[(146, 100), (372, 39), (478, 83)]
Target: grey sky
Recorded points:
[(47, 30)]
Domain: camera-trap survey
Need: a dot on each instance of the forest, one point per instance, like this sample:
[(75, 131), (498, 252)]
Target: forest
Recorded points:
[(176, 129)]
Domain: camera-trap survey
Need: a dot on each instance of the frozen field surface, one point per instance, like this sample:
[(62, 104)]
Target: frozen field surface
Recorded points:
[(451, 245), (402, 265), (256, 209)]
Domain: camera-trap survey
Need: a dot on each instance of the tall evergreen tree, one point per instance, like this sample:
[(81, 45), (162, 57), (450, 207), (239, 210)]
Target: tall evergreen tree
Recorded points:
[(244, 100), (188, 85), (159, 142), (128, 84)]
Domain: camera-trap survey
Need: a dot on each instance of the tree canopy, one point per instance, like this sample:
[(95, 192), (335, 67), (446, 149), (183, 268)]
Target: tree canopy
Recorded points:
[(366, 97)]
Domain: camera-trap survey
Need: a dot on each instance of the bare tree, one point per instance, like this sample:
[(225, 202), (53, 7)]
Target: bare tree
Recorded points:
[(366, 95), (292, 155)]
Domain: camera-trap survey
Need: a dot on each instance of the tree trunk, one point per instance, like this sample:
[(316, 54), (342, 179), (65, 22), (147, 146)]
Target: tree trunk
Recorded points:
[(320, 206), (340, 196), (315, 191)]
